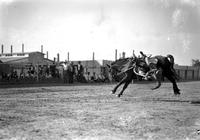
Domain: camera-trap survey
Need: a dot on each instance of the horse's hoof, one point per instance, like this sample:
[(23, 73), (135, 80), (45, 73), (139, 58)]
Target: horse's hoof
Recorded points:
[(112, 92), (119, 95), (154, 88), (177, 93)]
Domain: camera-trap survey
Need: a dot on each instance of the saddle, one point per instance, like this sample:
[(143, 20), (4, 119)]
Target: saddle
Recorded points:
[(151, 60), (152, 63)]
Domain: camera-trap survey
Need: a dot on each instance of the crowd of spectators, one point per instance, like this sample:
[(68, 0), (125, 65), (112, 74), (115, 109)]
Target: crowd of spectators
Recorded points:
[(66, 72), (29, 73), (77, 73)]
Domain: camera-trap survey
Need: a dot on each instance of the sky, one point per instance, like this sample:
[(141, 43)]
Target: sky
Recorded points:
[(81, 27)]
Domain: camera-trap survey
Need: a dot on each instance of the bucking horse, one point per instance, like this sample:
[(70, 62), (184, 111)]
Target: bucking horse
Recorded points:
[(155, 67)]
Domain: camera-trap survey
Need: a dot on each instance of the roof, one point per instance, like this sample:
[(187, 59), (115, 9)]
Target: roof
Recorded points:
[(36, 52), (9, 59), (22, 60)]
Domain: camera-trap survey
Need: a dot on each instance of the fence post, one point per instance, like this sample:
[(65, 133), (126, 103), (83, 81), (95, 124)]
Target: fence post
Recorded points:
[(185, 74), (37, 66), (192, 74), (178, 72)]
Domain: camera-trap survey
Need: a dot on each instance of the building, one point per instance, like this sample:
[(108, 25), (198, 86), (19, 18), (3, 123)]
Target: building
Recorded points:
[(28, 58), (23, 62)]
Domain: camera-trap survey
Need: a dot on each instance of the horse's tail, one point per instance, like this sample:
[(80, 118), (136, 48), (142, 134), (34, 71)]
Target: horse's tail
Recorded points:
[(171, 59)]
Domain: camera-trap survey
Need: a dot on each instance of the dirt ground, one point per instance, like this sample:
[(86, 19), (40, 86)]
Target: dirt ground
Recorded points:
[(90, 112)]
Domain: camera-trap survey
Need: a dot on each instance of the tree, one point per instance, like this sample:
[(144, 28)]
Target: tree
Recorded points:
[(196, 62)]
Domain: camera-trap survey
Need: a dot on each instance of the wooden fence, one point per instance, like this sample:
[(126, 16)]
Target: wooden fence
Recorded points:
[(188, 72)]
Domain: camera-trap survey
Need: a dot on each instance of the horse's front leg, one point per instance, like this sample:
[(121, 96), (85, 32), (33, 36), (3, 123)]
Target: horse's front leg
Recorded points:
[(119, 84), (124, 87)]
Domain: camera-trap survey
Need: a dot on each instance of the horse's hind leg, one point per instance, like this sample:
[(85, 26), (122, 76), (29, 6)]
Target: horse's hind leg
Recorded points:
[(119, 84), (175, 87)]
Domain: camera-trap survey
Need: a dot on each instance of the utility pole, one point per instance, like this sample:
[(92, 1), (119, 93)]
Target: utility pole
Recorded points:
[(41, 48), (68, 56), (2, 49), (115, 54), (22, 48)]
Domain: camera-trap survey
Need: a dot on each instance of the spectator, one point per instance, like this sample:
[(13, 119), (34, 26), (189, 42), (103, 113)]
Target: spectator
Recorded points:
[(71, 71), (65, 76), (94, 78), (80, 72), (87, 77)]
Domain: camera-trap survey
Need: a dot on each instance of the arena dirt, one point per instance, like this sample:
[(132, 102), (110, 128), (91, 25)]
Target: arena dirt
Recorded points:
[(90, 112)]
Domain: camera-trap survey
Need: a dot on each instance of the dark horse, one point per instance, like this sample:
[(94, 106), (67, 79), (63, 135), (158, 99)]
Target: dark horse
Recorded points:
[(129, 68), (122, 71)]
